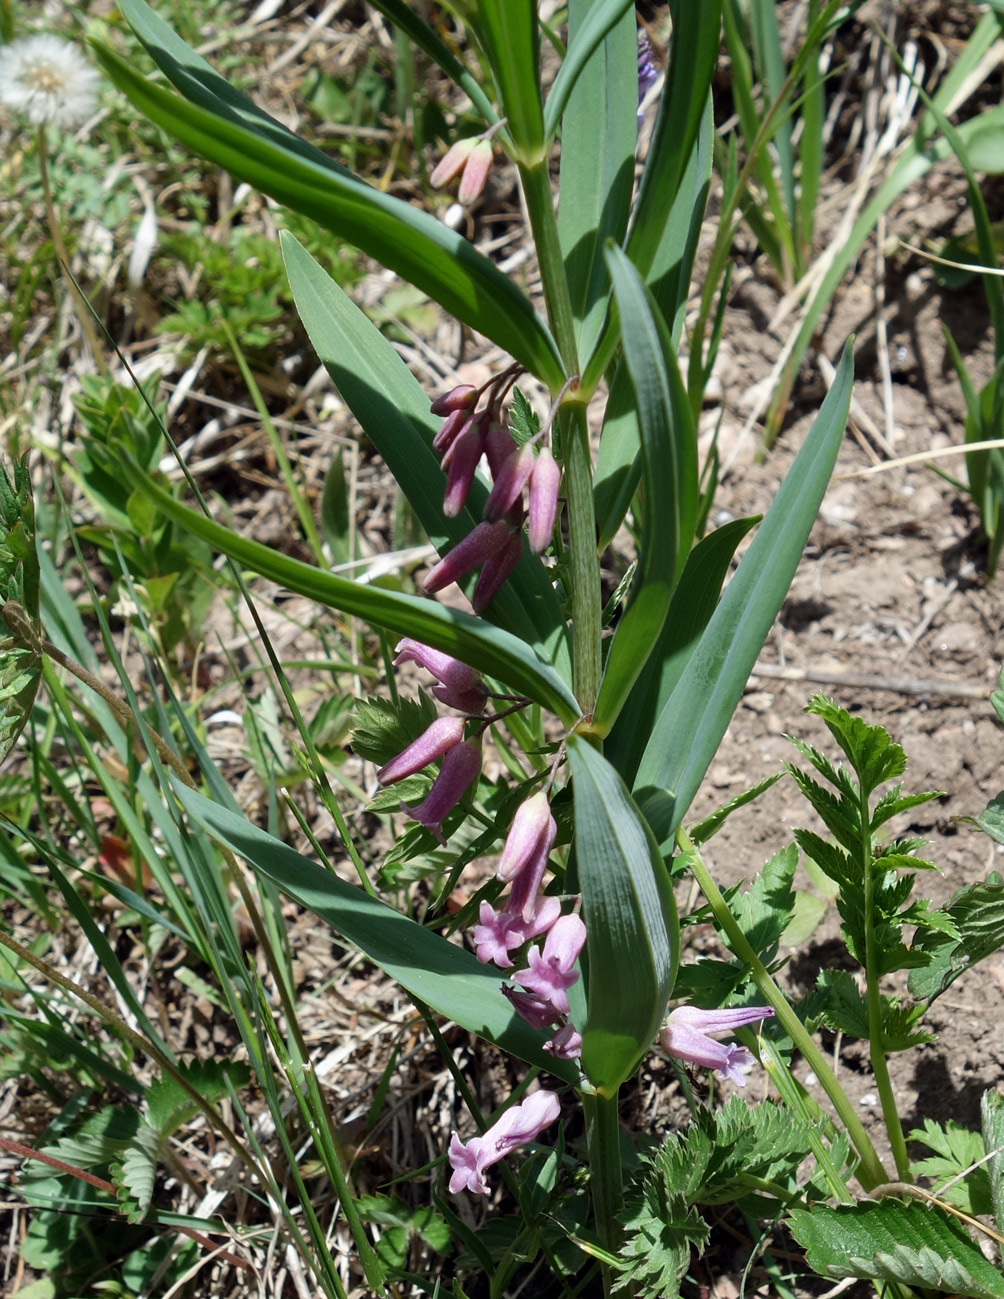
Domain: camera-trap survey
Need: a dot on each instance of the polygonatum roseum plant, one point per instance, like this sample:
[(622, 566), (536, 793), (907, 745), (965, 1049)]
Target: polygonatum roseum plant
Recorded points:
[(567, 953)]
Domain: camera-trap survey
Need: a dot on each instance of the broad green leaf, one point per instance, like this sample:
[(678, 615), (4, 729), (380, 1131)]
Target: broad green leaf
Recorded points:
[(20, 662), (217, 121), (689, 729), (627, 904), (446, 977), (598, 138), (669, 456), (476, 642), (911, 1244), (696, 29), (510, 34), (978, 913), (693, 603), (394, 410)]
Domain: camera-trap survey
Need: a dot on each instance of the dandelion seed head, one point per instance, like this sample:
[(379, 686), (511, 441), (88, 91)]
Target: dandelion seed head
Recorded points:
[(48, 81)]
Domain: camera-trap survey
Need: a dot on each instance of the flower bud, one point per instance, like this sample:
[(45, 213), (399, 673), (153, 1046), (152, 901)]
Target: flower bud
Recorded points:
[(463, 464), (497, 568), (499, 445), (566, 1044), (486, 540), (462, 397), (509, 482), (453, 427), (545, 478), (537, 1011), (433, 743), (460, 686), (453, 162), (461, 766), (475, 173)]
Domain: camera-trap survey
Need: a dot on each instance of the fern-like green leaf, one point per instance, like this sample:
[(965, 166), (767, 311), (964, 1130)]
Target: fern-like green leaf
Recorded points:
[(869, 749), (956, 1169), (135, 1173), (978, 916)]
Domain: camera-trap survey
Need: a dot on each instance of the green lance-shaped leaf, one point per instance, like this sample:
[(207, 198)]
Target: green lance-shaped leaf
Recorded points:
[(510, 33), (627, 903), (911, 1244), (446, 977), (690, 727), (598, 137), (393, 409), (669, 479), (20, 657), (488, 649), (218, 122)]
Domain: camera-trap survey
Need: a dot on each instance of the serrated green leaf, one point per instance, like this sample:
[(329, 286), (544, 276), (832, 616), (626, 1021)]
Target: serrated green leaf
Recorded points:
[(381, 728), (473, 640), (217, 121), (992, 1123), (627, 904), (956, 1171), (169, 1105), (444, 976), (846, 1011), (135, 1174), (689, 728), (978, 914), (891, 804), (706, 829), (869, 749), (910, 1244), (764, 909)]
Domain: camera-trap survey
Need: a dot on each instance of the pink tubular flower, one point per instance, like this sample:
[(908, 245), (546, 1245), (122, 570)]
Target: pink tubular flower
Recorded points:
[(462, 397), (497, 569), (475, 173), (486, 540), (500, 932), (509, 482), (688, 1035), (527, 849), (551, 972), (451, 430), (566, 1044), (519, 1124), (459, 685), (452, 162), (537, 1011), (433, 743), (499, 445), (545, 479), (461, 766), (464, 455)]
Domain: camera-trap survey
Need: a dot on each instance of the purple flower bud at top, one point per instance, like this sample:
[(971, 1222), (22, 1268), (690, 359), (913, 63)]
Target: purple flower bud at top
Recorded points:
[(461, 766), (550, 973), (471, 702), (519, 1124), (455, 424), (452, 162), (499, 445), (566, 1044), (509, 482), (475, 173), (526, 862), (496, 570), (433, 743), (545, 479), (486, 540), (688, 1035), (462, 397), (463, 463), (532, 824)]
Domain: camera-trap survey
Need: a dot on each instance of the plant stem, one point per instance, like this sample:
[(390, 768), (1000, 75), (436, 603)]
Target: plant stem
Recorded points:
[(870, 1172), (62, 256), (880, 1066), (603, 1143), (544, 226)]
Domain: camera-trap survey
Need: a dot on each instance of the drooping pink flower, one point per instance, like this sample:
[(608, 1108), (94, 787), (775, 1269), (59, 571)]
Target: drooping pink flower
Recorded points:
[(512, 477), (462, 397), (459, 685), (688, 1035), (497, 569), (475, 173), (450, 432), (499, 445), (525, 855), (486, 540), (537, 1011), (435, 741), (461, 766), (566, 1043), (518, 1125), (501, 932), (545, 479), (452, 162), (551, 972), (464, 455)]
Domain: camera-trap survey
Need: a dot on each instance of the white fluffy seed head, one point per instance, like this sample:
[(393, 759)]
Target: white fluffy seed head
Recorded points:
[(47, 81)]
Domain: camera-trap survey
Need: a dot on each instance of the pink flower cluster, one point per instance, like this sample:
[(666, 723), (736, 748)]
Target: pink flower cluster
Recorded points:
[(495, 545), (471, 160), (460, 687)]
